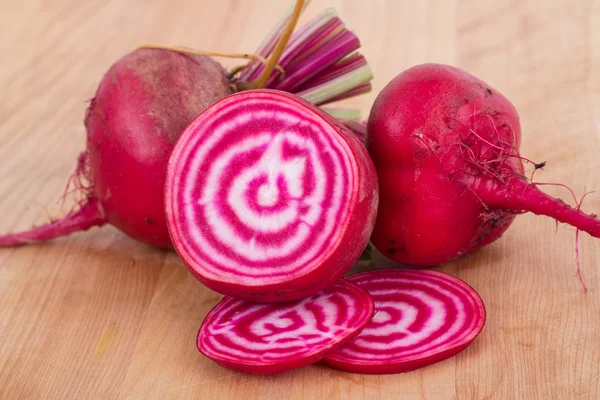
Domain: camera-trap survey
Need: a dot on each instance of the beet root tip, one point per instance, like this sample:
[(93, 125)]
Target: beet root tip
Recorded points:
[(87, 216)]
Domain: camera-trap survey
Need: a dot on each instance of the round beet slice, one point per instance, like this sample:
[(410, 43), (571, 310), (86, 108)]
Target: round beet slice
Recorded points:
[(267, 338), (268, 198), (421, 317)]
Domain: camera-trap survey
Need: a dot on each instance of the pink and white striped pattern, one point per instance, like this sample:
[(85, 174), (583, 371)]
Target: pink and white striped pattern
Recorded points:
[(259, 190), (421, 317), (266, 338)]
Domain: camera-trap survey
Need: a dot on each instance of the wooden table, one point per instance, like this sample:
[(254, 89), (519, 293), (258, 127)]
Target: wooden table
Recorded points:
[(99, 316)]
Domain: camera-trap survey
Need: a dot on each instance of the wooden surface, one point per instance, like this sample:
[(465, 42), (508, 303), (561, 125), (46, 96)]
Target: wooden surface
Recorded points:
[(99, 316)]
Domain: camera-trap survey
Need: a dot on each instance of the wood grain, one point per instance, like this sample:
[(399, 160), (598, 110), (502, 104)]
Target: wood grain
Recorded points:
[(99, 316)]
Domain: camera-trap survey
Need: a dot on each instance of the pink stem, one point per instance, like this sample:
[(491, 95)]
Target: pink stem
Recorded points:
[(310, 29), (89, 215), (358, 128), (328, 55), (518, 195), (338, 69), (364, 88), (267, 46), (301, 49)]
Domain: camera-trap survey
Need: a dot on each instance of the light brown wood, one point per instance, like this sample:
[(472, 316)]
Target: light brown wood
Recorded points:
[(99, 316)]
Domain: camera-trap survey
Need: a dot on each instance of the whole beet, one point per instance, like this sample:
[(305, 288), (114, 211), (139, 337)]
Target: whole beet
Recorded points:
[(142, 105), (445, 145), (148, 97)]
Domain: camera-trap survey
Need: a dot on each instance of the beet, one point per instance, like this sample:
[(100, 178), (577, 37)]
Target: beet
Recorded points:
[(268, 198), (267, 338), (421, 317), (141, 107), (147, 98), (445, 145)]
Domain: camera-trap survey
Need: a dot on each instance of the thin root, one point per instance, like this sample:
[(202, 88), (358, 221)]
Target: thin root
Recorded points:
[(76, 207), (561, 185), (476, 195), (485, 141), (579, 274), (420, 137), (511, 146), (489, 171), (537, 166), (578, 204), (462, 145), (78, 181)]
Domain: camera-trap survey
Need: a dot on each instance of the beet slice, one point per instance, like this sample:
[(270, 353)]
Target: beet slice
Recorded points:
[(421, 317), (267, 338), (268, 198)]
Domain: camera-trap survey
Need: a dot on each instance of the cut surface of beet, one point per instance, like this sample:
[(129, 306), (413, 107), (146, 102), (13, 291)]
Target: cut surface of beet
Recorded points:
[(269, 198), (421, 317), (267, 338)]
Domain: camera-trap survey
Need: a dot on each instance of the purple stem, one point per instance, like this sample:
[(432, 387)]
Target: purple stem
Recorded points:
[(364, 88), (340, 68), (329, 54)]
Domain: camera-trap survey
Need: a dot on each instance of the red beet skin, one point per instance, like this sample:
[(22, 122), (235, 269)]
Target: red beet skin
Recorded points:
[(268, 198), (267, 338), (141, 107), (445, 146), (421, 317)]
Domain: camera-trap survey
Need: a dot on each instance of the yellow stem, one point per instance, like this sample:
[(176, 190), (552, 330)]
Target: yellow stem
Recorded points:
[(185, 50), (279, 48), (239, 68)]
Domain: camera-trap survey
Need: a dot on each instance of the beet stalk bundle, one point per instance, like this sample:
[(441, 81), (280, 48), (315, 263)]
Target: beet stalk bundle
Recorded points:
[(148, 97)]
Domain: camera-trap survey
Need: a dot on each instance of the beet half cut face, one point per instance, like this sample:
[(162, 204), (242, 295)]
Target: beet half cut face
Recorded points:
[(268, 338), (421, 317), (268, 198)]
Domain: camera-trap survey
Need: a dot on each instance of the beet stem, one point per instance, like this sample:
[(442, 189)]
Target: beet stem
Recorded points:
[(279, 48), (185, 50), (268, 44), (343, 113), (318, 60), (347, 64), (517, 194), (89, 215), (357, 127)]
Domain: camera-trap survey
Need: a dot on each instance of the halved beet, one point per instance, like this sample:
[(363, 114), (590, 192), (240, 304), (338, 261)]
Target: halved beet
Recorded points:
[(267, 338), (268, 198), (421, 317)]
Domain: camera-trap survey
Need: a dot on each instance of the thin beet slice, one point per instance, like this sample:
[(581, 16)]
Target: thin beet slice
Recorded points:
[(268, 198), (267, 338), (421, 317)]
